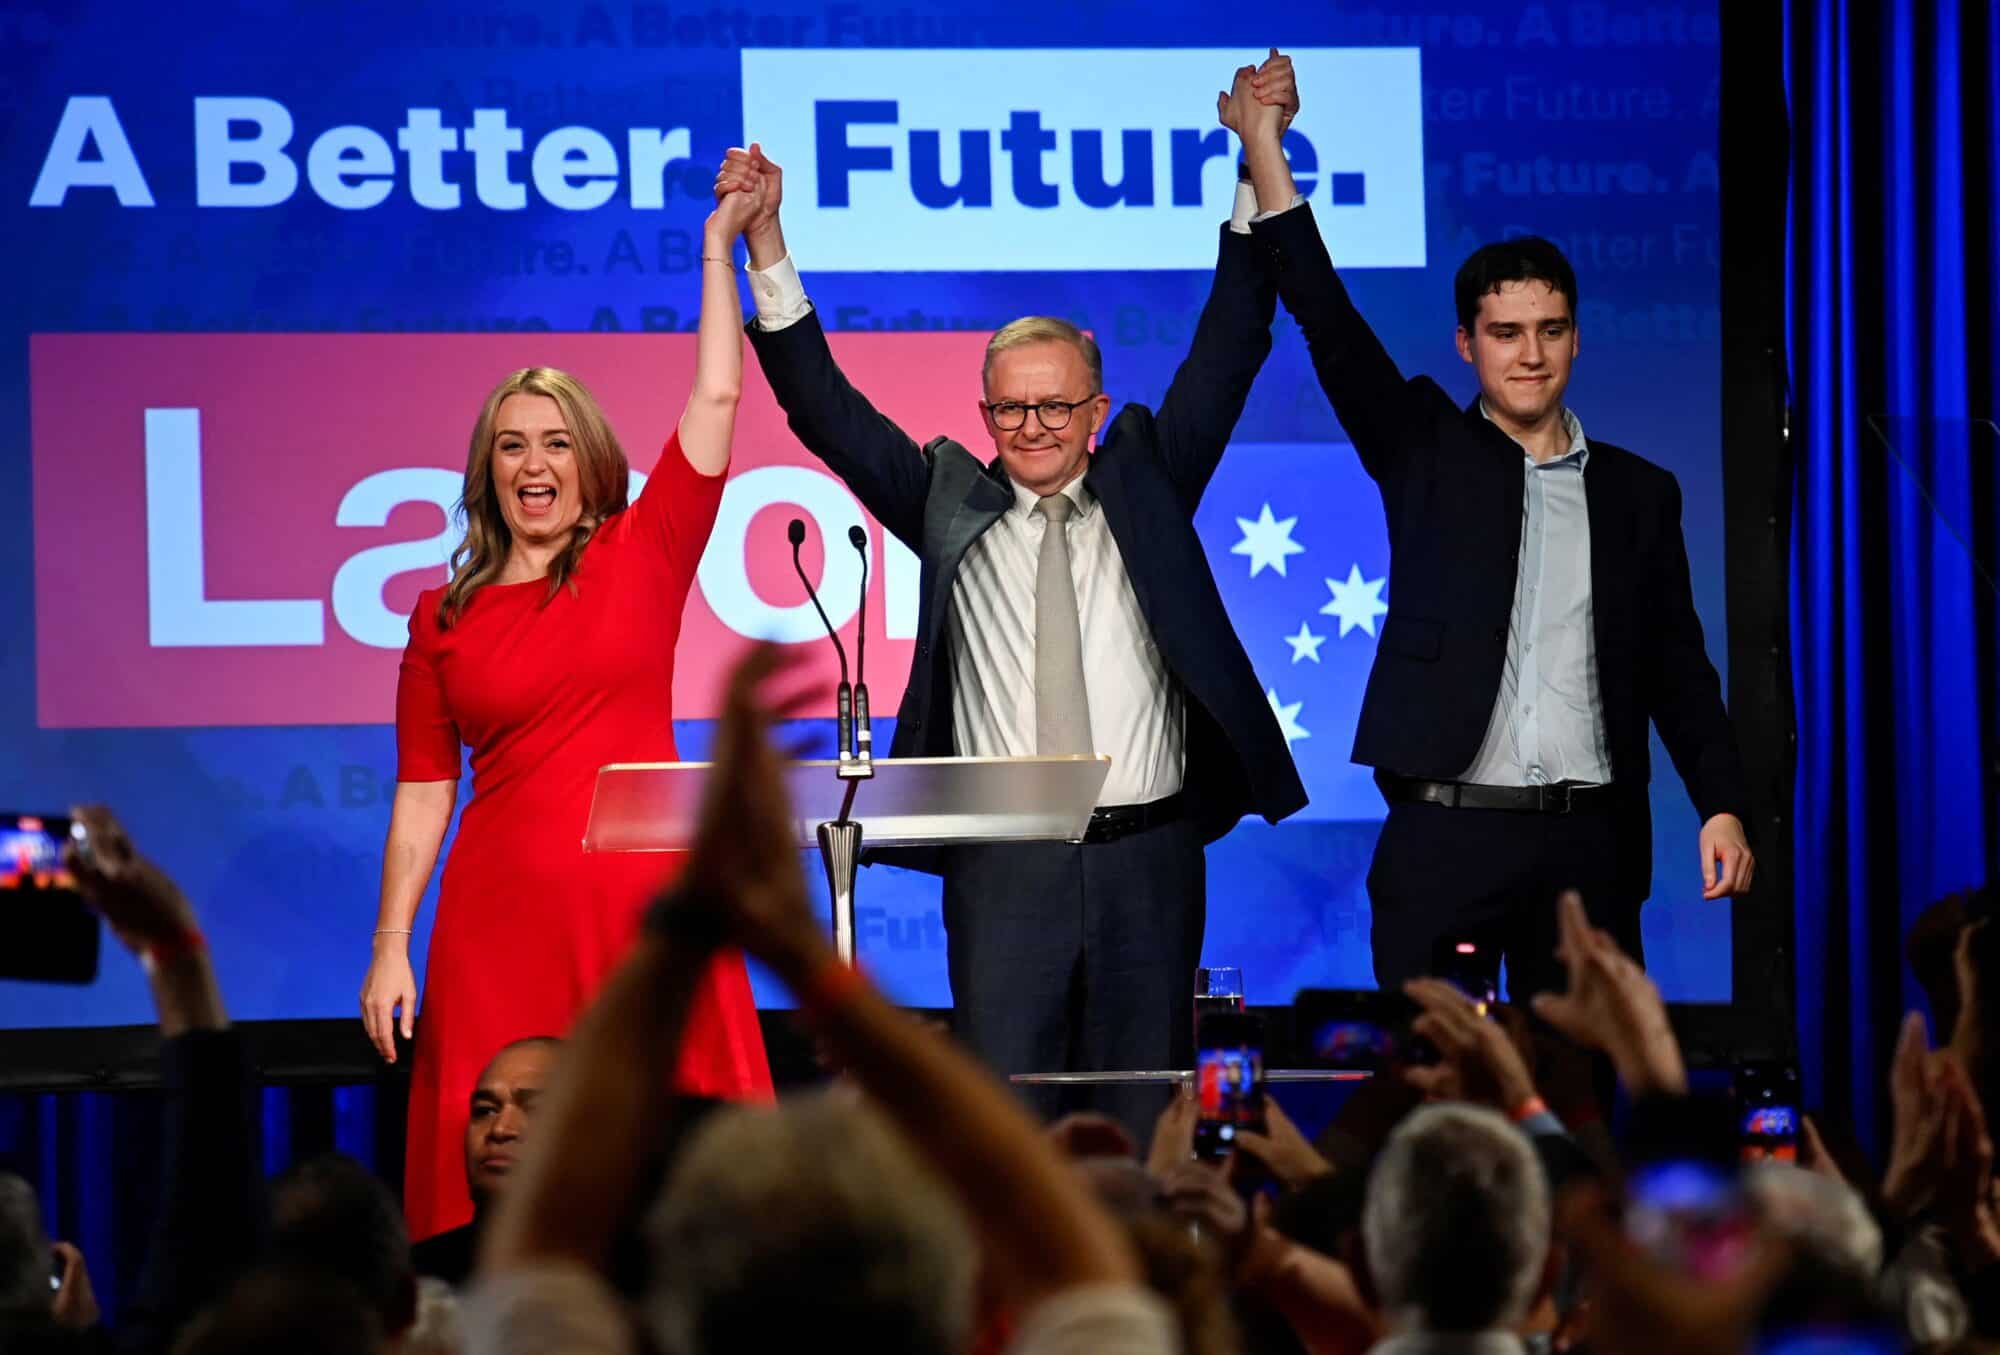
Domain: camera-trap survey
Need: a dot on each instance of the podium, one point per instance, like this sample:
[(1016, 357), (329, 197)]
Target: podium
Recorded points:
[(906, 802)]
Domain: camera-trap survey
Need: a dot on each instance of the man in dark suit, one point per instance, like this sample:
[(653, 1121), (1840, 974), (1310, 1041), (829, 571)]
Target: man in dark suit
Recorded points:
[(1067, 607), (1540, 615)]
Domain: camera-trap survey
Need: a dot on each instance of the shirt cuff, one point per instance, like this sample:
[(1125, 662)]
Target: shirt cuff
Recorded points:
[(1245, 210), (1297, 199), (780, 296)]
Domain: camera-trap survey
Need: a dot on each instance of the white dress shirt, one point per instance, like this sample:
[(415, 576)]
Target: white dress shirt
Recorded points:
[(1137, 712)]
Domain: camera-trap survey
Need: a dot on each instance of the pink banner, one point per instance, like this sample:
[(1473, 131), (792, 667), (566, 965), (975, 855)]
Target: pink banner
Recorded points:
[(231, 529)]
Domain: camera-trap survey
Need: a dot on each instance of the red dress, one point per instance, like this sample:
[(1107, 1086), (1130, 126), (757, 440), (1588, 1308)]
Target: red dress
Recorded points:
[(528, 924)]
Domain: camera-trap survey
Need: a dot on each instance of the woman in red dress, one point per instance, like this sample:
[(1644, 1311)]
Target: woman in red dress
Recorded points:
[(549, 653)]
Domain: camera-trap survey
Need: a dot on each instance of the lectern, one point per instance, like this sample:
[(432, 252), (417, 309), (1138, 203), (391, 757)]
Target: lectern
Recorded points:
[(907, 802)]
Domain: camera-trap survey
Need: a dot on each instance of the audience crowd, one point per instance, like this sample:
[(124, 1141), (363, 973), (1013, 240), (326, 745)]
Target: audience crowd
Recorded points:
[(1477, 1203)]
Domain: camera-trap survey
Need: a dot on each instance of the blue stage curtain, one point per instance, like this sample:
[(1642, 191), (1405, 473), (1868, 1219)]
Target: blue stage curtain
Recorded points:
[(1895, 124)]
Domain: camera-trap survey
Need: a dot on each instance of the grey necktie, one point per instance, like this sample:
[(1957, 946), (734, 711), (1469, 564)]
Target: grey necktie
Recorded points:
[(1062, 709)]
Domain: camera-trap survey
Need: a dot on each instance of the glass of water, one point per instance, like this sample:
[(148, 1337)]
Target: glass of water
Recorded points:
[(1217, 988)]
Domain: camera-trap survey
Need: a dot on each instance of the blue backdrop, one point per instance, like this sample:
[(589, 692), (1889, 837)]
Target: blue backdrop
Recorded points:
[(1580, 122)]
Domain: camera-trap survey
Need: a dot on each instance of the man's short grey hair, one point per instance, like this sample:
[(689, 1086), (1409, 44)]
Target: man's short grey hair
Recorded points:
[(25, 1255), (1456, 1221), (780, 1228)]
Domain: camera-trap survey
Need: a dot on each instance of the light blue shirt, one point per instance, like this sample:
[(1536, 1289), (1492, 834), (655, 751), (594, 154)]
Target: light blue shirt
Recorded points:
[(1548, 719)]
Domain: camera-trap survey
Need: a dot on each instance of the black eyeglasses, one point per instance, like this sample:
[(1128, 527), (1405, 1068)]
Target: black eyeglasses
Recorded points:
[(1054, 414)]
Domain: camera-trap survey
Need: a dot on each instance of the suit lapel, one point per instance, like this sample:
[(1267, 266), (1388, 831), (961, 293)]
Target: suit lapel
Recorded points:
[(983, 495), (1513, 506), (1108, 486)]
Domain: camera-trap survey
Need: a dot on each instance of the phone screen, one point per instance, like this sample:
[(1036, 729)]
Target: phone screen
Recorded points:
[(1360, 1029), (1767, 1109), (52, 934), (1470, 966), (31, 854), (1229, 1083)]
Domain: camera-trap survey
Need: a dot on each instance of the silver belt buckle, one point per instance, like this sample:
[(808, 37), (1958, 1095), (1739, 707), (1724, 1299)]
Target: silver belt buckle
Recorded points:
[(1557, 798)]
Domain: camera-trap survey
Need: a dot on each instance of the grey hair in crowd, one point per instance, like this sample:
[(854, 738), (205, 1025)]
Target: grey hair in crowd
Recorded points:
[(25, 1257), (780, 1228), (440, 1325), (1456, 1222), (1820, 1215)]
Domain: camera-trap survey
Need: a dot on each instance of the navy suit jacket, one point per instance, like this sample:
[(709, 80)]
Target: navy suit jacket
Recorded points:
[(1148, 472), (1451, 485)]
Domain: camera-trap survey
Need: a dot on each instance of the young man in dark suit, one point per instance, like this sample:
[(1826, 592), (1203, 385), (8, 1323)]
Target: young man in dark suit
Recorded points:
[(1540, 616), (1067, 607)]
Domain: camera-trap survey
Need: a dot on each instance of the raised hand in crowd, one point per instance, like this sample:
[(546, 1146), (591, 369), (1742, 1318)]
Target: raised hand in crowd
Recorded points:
[(1814, 1155), (1642, 1306), (1973, 1034), (75, 1304), (1478, 1059), (603, 1118), (1285, 1152), (1612, 1006), (212, 1208), (1940, 1154), (148, 913)]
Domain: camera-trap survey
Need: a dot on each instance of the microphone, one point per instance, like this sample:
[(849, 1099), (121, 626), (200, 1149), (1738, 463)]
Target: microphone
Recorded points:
[(864, 738), (844, 706)]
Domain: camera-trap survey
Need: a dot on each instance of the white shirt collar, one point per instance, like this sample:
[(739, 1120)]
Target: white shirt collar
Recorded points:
[(1076, 491), (1579, 447)]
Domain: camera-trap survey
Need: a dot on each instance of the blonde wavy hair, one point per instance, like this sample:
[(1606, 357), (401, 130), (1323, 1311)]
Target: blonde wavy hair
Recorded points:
[(602, 476)]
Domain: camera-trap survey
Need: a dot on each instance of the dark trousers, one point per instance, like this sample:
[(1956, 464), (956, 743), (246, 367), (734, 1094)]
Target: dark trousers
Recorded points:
[(1079, 958), (1493, 876)]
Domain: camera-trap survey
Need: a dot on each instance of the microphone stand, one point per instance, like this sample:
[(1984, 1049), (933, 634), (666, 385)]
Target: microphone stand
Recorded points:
[(840, 839)]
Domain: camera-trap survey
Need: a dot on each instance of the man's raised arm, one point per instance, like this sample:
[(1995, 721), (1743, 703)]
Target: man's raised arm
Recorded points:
[(1233, 337), (879, 461)]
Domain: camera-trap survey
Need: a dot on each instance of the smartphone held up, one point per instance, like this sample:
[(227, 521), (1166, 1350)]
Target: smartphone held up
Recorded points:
[(53, 932)]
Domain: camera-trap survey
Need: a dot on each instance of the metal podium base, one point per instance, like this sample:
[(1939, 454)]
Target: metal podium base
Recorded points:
[(840, 853)]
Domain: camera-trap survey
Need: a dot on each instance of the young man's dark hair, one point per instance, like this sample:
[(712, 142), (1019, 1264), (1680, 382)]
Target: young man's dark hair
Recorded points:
[(1524, 258), (331, 1214)]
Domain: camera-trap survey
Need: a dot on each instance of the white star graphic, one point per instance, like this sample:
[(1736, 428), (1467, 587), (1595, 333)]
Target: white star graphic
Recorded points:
[(1267, 541), (1288, 718), (1356, 602), (1305, 645)]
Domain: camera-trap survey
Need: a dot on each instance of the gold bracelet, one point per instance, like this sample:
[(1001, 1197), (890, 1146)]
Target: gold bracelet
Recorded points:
[(717, 258)]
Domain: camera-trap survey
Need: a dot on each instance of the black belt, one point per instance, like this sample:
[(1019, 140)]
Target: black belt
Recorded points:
[(1108, 823), (1561, 798)]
